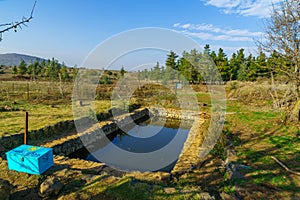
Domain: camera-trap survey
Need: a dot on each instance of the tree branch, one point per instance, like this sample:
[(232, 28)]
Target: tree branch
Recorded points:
[(284, 166), (17, 24)]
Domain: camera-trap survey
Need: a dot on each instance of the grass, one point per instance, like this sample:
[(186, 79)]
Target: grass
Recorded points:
[(254, 129), (261, 135), (40, 115)]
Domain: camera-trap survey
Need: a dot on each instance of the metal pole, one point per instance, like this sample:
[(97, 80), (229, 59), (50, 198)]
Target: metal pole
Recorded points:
[(26, 128)]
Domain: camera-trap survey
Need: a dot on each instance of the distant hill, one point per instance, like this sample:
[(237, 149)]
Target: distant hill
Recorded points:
[(11, 59)]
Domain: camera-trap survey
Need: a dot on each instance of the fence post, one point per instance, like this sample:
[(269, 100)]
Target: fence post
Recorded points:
[(13, 90), (27, 91), (26, 129)]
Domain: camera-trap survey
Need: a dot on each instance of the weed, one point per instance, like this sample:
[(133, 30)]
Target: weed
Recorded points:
[(282, 141), (233, 85), (219, 148), (229, 189)]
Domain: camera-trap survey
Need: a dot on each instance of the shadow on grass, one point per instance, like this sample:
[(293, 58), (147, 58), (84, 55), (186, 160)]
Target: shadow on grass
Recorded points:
[(267, 176)]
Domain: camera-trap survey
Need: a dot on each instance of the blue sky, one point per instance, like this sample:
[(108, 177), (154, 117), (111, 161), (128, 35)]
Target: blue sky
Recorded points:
[(69, 29)]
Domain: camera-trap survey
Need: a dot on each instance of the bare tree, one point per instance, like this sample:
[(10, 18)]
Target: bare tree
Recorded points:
[(15, 25), (282, 37)]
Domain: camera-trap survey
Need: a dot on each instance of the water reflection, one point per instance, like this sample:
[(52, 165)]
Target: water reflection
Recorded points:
[(146, 137)]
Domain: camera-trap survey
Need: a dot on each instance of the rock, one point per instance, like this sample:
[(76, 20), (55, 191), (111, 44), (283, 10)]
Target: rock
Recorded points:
[(79, 103), (225, 196), (90, 177), (169, 190), (233, 170), (51, 186), (61, 173), (163, 176), (5, 188), (206, 196), (116, 111)]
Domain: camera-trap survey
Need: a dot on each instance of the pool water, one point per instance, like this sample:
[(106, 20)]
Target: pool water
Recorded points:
[(153, 145)]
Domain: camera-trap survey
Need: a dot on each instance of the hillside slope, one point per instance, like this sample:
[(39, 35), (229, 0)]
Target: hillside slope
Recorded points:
[(11, 59)]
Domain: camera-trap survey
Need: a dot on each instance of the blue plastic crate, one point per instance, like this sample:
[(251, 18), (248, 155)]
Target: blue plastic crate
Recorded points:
[(30, 159)]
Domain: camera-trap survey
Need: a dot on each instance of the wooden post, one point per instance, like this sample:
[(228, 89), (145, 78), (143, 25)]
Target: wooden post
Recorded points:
[(26, 129), (13, 91), (27, 91)]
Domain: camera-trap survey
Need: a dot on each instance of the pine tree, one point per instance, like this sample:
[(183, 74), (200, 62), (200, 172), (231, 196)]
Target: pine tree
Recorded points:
[(122, 71), (222, 64), (64, 73), (171, 65), (74, 72), (14, 70), (22, 68), (262, 65), (156, 72)]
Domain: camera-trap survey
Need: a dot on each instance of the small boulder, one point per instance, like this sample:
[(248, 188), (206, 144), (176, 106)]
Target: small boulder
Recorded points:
[(163, 176), (206, 196), (116, 111), (170, 190), (79, 103), (51, 186)]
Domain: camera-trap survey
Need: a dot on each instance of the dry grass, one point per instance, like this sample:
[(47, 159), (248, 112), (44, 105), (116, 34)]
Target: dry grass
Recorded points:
[(40, 115)]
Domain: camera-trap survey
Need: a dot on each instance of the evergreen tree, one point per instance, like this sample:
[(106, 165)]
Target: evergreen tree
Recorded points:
[(53, 69), (262, 65), (33, 69), (248, 70), (171, 65), (156, 72), (236, 61), (14, 70), (184, 68), (222, 64), (74, 72), (192, 62), (122, 71), (22, 68), (64, 73), (171, 60), (213, 56), (207, 49)]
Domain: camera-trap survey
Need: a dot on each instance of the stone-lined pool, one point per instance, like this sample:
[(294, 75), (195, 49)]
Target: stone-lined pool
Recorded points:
[(153, 145)]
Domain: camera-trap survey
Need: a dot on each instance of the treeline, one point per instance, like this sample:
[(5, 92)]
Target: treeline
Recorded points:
[(193, 67), (50, 70)]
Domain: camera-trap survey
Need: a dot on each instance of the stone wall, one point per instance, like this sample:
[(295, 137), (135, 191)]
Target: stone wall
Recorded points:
[(68, 145), (11, 141), (8, 142), (175, 114), (190, 154), (48, 132)]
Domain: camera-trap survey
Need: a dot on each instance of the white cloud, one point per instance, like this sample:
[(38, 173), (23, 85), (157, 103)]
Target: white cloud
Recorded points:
[(259, 8), (208, 36), (228, 4), (210, 32), (212, 28)]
